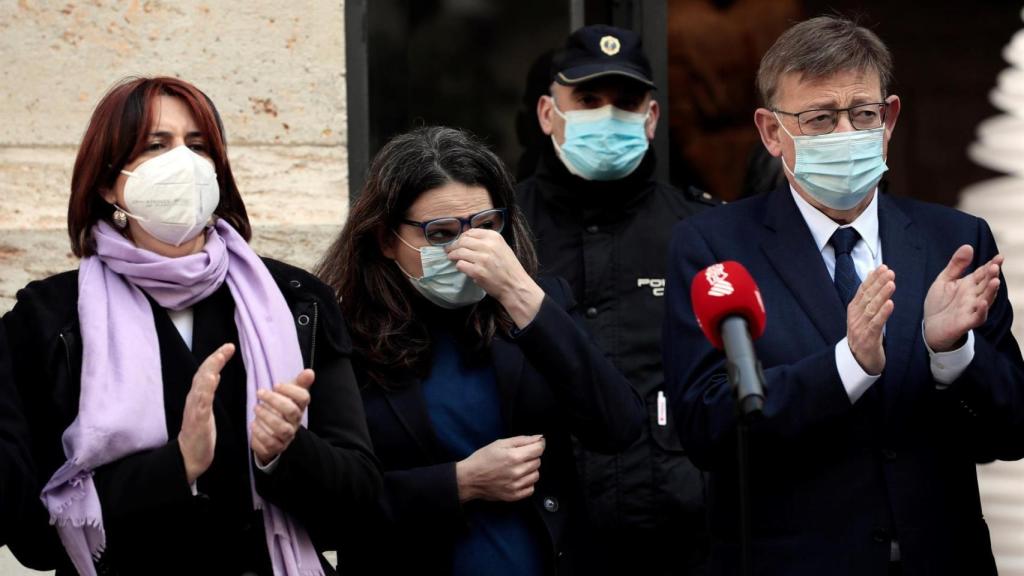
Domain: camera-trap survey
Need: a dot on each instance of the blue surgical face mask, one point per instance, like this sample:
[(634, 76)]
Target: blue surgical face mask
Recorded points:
[(605, 143), (442, 283), (838, 169)]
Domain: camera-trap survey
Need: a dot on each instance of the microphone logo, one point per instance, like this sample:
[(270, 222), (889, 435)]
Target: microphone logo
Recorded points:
[(716, 277)]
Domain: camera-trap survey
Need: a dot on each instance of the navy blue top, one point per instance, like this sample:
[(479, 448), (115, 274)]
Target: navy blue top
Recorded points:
[(464, 407)]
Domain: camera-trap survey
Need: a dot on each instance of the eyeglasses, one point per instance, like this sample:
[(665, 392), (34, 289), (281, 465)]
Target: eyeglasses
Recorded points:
[(825, 120), (443, 231)]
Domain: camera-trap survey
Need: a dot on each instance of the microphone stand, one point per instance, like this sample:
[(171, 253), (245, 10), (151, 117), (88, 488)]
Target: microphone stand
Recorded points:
[(748, 382), (742, 428)]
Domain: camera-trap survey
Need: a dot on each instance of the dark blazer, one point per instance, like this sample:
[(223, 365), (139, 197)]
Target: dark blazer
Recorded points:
[(16, 475), (552, 380), (832, 483), (153, 522)]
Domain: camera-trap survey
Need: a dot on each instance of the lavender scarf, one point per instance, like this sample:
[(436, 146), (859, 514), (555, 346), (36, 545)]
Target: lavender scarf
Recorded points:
[(121, 410)]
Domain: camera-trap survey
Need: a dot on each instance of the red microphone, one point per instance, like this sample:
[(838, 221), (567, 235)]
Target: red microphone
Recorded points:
[(730, 311)]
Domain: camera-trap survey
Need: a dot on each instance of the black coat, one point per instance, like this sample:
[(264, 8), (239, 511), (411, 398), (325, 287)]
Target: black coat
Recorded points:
[(610, 241), (551, 380), (16, 476), (153, 522)]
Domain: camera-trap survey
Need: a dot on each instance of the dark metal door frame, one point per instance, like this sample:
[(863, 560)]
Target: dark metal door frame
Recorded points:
[(357, 84)]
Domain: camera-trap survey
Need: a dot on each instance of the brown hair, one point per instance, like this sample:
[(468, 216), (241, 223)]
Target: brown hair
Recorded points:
[(377, 298), (117, 134), (820, 47)]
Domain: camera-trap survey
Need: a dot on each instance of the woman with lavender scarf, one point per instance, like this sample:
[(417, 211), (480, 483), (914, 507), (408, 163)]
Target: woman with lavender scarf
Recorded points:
[(192, 406)]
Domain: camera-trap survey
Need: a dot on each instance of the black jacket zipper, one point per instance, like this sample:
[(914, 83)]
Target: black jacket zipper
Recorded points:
[(67, 351)]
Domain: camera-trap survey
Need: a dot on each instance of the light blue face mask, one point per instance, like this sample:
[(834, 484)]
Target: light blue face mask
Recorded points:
[(606, 143), (838, 169), (442, 283)]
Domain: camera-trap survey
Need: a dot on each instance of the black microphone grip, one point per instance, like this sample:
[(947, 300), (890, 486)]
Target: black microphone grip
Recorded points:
[(744, 370)]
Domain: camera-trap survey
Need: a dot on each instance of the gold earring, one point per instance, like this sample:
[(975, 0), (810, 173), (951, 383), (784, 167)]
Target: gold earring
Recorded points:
[(120, 219)]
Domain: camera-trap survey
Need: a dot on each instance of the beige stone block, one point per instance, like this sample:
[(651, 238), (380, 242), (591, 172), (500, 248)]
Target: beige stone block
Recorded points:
[(27, 255), (35, 183), (301, 246), (275, 70), (292, 185), (296, 197), (280, 185)]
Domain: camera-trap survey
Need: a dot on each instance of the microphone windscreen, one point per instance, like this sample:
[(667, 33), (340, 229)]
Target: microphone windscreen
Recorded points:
[(722, 290)]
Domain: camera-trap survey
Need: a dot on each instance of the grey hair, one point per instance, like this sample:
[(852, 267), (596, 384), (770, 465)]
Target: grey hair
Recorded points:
[(820, 47)]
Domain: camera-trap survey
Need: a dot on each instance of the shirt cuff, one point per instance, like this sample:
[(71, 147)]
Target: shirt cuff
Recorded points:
[(948, 366), (195, 490), (854, 378), (269, 468)]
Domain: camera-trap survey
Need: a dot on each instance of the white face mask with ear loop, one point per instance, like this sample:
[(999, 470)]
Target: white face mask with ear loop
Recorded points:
[(442, 283), (172, 196)]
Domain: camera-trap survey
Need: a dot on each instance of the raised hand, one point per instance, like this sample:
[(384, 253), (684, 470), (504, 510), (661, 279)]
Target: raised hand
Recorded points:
[(505, 470), (866, 316), (955, 305), (487, 259), (278, 416), (198, 436)]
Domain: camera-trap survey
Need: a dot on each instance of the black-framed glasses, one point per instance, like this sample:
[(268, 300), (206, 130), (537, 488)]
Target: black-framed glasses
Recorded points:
[(824, 120), (443, 231)]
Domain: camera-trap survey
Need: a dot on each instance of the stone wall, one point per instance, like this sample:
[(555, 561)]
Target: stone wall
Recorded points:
[(276, 71)]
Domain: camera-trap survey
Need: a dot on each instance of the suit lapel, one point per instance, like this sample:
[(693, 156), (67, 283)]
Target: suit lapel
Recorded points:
[(410, 408), (793, 253), (904, 253)]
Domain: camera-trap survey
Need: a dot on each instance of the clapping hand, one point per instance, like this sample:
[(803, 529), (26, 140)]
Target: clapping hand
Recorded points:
[(955, 305), (198, 436), (278, 416)]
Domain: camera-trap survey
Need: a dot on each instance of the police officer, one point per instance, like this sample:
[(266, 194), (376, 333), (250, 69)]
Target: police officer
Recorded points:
[(603, 222)]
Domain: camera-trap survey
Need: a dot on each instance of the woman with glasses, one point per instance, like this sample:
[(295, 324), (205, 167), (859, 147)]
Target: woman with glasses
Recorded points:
[(475, 372)]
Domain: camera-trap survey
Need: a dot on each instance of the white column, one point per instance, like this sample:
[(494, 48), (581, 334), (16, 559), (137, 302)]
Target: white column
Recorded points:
[(1000, 201)]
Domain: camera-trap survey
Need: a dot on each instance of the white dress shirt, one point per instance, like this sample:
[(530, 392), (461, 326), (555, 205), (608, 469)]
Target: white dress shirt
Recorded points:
[(867, 255), (182, 320)]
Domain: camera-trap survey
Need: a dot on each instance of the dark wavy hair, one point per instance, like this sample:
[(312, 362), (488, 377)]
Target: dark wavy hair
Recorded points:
[(117, 134), (376, 297)]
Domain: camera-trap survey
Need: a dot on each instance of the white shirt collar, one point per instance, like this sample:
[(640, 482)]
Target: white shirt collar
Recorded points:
[(822, 227)]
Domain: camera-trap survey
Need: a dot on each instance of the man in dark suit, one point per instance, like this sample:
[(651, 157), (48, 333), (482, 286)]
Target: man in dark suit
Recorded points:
[(889, 366)]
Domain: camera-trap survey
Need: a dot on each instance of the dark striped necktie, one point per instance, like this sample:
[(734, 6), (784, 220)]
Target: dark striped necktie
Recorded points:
[(846, 280)]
